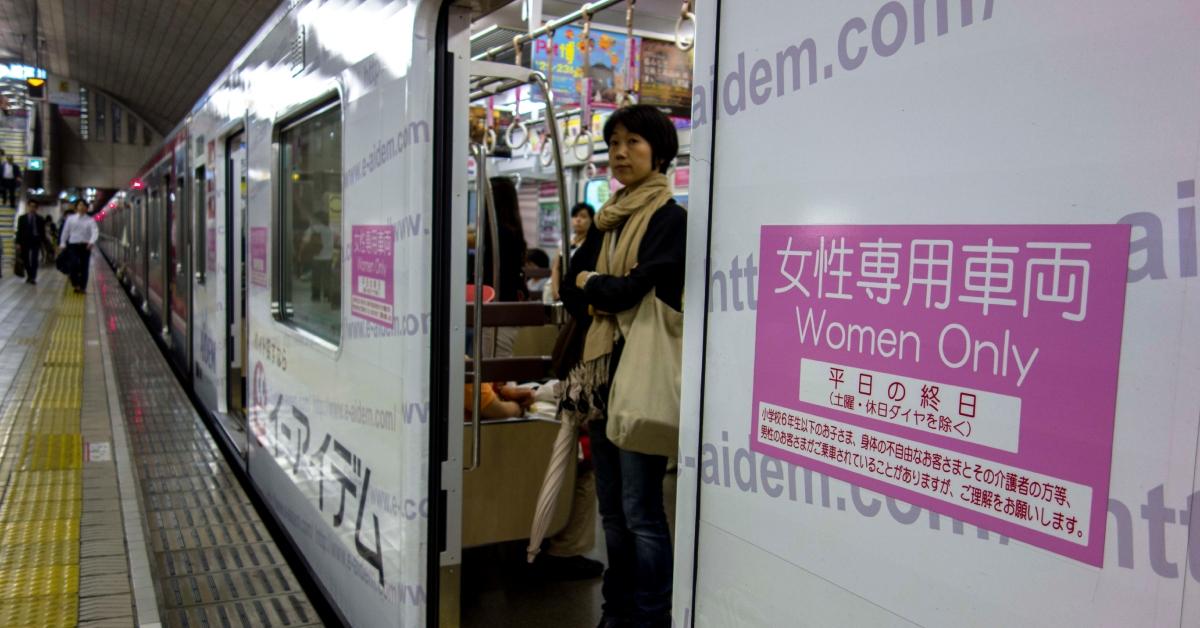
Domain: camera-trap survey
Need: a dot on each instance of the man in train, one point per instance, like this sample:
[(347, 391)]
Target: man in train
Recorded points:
[(318, 248)]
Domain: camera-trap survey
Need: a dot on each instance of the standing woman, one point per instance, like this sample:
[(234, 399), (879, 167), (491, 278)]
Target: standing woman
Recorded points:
[(583, 218), (642, 250), (79, 234), (498, 341)]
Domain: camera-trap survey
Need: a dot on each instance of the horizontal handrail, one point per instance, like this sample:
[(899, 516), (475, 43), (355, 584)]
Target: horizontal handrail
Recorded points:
[(588, 9), (519, 369), (519, 314)]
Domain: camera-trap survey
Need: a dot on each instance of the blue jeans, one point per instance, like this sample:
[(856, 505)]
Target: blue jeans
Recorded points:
[(637, 583)]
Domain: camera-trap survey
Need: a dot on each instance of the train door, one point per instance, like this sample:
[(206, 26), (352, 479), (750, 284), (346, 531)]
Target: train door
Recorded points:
[(137, 247), (155, 260), (507, 470), (141, 248), (177, 309), (235, 264)]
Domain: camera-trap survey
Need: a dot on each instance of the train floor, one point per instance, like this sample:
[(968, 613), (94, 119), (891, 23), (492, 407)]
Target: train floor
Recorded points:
[(499, 590), (117, 507)]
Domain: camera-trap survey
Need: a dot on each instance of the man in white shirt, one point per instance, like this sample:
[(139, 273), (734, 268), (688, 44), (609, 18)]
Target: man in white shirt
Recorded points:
[(10, 181), (79, 234)]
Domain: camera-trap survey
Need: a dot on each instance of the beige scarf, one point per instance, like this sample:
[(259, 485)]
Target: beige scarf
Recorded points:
[(629, 210)]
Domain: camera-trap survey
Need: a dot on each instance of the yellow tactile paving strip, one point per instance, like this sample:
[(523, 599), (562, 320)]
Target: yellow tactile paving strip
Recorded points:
[(42, 490)]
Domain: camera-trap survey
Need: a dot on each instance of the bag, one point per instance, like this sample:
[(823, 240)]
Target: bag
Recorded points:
[(63, 262), (643, 401), (568, 348), (19, 263)]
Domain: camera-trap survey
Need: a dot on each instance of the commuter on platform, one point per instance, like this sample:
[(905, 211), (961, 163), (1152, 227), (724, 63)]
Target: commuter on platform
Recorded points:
[(49, 242), (31, 239), (10, 181), (79, 235), (66, 211), (642, 251)]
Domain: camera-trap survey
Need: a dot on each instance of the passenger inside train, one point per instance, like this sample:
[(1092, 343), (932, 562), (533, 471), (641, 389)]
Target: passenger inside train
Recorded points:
[(538, 333)]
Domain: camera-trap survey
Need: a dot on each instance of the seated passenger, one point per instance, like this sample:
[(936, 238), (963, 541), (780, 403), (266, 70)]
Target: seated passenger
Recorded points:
[(504, 403), (537, 258)]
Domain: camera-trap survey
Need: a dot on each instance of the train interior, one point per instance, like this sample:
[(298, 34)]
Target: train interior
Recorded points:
[(530, 166)]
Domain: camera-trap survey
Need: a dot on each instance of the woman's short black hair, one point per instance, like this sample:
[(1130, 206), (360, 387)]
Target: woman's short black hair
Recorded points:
[(583, 207), (652, 124)]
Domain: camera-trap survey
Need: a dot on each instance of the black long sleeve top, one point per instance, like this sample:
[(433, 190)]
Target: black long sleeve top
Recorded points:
[(584, 260), (660, 266)]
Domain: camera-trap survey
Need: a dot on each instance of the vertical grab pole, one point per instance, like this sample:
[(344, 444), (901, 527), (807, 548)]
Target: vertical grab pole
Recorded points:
[(493, 226), (552, 126), (494, 236), (482, 197)]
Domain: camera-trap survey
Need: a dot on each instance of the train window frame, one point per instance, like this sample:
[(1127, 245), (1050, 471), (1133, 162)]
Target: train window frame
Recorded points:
[(291, 119)]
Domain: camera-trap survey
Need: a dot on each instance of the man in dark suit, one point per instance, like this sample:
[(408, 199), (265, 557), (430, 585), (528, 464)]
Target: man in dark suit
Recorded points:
[(31, 237)]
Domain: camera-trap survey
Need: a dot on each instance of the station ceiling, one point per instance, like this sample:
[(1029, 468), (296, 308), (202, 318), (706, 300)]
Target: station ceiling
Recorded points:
[(156, 56)]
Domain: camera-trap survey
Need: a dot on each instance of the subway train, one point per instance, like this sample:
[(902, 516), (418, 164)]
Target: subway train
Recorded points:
[(939, 343)]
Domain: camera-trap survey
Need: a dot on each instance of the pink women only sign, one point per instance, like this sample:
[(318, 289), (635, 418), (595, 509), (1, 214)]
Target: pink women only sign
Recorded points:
[(372, 257), (258, 256), (970, 370)]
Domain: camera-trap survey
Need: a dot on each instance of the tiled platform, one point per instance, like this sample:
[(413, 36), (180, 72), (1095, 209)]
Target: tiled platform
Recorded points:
[(116, 506)]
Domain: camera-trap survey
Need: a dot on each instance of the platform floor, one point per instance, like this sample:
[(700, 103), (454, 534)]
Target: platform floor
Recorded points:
[(116, 505)]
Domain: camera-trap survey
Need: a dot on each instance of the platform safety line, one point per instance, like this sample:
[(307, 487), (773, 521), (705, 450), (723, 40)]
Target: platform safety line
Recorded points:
[(136, 540), (15, 399), (41, 511)]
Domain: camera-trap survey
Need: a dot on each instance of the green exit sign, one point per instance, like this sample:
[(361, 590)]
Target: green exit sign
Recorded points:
[(35, 163)]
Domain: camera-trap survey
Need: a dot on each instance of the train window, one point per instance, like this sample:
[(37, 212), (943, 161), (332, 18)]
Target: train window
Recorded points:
[(199, 209), (310, 211)]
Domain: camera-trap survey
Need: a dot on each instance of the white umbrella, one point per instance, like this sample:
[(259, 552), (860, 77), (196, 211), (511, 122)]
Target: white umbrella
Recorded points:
[(565, 448)]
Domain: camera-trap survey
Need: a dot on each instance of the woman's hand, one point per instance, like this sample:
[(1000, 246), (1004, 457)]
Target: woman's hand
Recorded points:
[(582, 278)]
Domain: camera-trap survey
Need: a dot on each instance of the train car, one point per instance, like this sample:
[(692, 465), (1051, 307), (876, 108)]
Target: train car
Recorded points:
[(938, 358)]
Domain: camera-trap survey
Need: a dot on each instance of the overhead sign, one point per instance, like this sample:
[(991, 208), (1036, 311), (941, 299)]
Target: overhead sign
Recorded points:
[(35, 163), (20, 71), (607, 63), (666, 77)]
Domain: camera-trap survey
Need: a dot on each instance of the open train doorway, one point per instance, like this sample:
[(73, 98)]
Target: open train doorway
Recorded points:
[(523, 105), (236, 342)]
